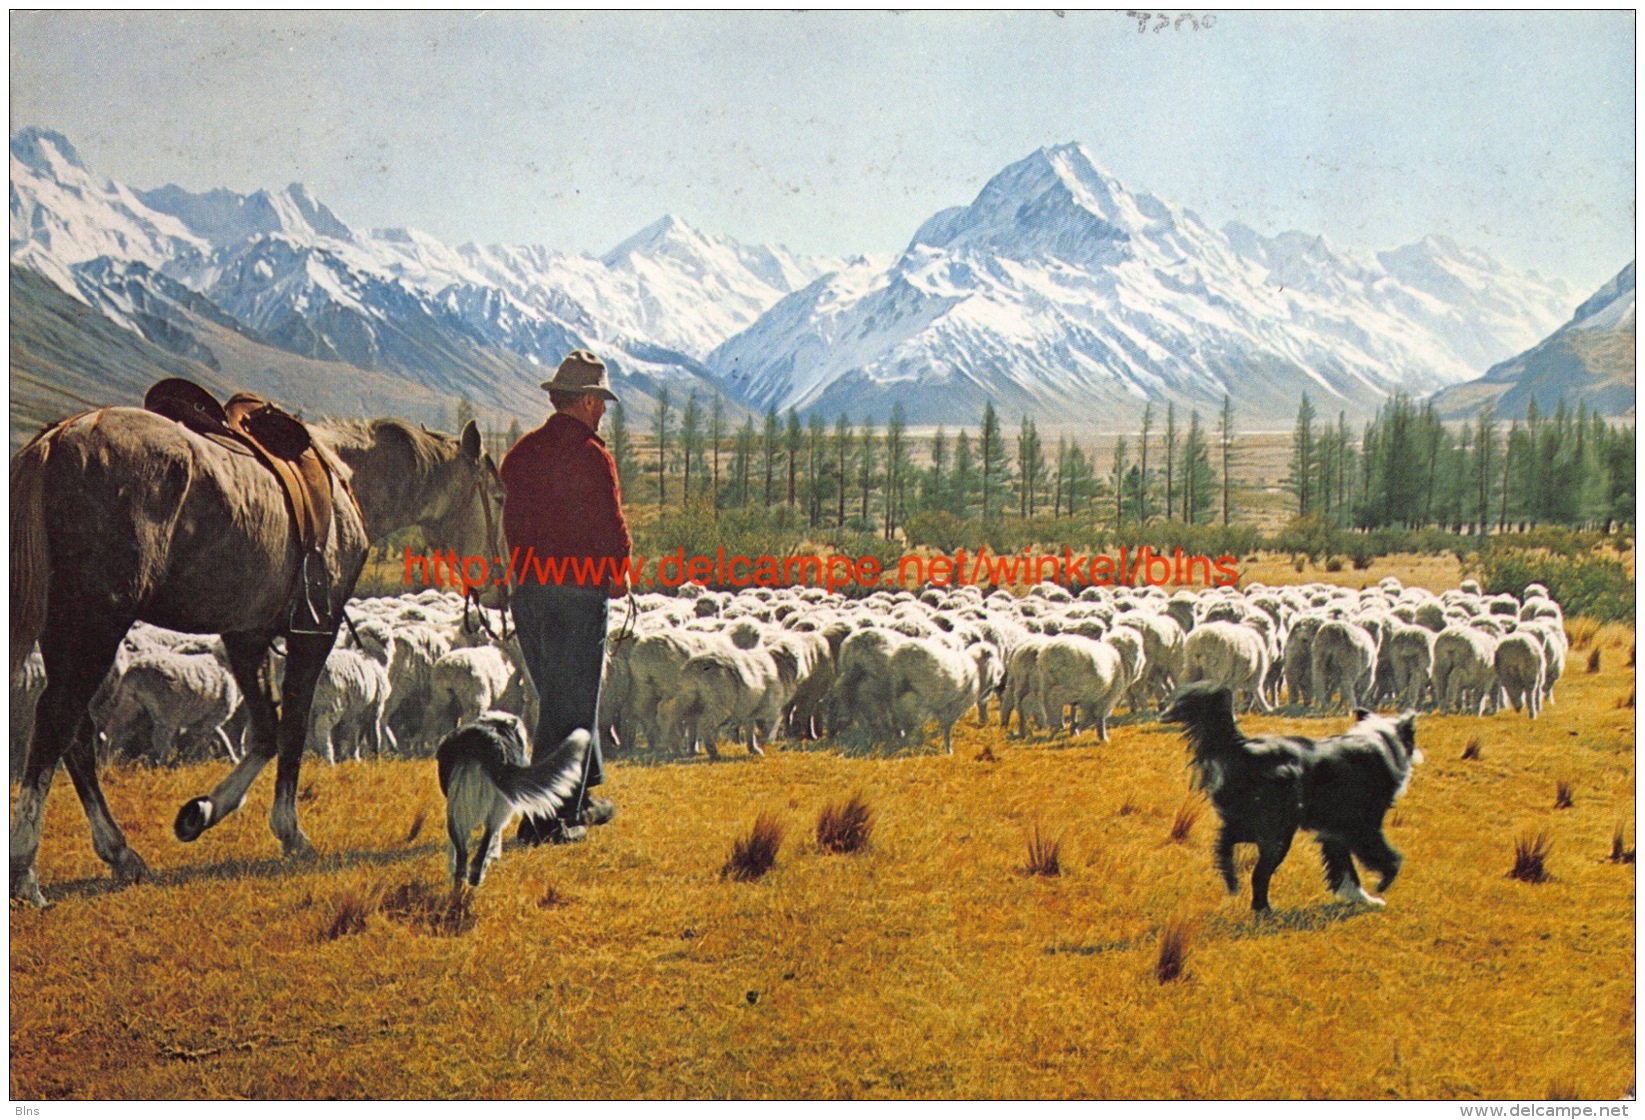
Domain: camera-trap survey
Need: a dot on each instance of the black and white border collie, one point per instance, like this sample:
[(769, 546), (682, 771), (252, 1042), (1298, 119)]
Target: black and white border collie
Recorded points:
[(487, 776), (1267, 787)]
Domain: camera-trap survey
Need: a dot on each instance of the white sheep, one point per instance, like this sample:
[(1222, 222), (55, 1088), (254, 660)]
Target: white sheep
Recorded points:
[(1230, 655), (1464, 669), (1088, 675), (465, 684), (1520, 670), (185, 698), (933, 680), (1344, 659)]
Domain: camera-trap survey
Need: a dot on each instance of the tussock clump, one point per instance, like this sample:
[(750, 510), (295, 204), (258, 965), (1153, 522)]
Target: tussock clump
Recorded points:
[(1531, 853), (845, 828), (1044, 853), (1471, 751), (553, 898), (348, 917), (1175, 939), (1631, 652), (1562, 795), (1563, 1091), (1628, 700), (1619, 852), (985, 755), (1581, 631), (417, 825), (1129, 807), (430, 909), (1593, 661), (1183, 823), (306, 793), (754, 855)]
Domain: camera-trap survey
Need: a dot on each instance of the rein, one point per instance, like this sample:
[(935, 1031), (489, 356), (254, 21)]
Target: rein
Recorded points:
[(495, 548)]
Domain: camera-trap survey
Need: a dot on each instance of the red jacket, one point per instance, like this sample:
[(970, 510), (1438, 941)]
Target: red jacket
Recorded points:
[(563, 496)]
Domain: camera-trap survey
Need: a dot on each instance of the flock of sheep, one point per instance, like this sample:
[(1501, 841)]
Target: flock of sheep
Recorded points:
[(689, 670)]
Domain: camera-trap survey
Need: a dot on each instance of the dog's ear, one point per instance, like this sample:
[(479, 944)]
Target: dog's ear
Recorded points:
[(1361, 714)]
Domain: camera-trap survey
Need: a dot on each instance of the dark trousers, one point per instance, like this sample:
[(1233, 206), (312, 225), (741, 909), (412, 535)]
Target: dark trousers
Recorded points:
[(562, 635)]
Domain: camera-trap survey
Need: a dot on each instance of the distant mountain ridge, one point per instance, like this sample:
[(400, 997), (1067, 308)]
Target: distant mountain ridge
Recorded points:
[(1060, 293), (1588, 360), (1056, 292)]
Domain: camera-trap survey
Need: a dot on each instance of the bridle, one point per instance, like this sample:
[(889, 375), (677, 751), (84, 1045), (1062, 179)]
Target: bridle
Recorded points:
[(493, 551)]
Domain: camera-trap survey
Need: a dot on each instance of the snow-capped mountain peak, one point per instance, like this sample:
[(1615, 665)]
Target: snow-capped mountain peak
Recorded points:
[(45, 151)]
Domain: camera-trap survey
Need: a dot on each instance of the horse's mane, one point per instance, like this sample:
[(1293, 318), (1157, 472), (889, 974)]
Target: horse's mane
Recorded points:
[(427, 448)]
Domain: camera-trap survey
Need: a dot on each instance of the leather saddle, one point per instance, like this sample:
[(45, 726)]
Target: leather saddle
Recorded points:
[(281, 442)]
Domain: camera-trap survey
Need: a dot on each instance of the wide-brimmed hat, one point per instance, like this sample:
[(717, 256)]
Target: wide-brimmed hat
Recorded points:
[(581, 372)]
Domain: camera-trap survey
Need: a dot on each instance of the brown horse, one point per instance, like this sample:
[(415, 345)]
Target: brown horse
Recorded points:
[(121, 515)]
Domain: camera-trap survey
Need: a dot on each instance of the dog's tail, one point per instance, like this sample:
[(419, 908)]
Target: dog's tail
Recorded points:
[(540, 789)]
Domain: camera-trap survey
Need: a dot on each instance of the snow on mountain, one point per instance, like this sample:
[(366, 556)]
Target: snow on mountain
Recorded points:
[(1589, 359), (63, 215), (1059, 292), (285, 269)]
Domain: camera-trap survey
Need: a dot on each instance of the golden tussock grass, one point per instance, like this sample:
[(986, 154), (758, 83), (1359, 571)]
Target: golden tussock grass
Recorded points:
[(1563, 793), (925, 966), (1182, 825), (1619, 852), (1581, 631), (1593, 660), (1531, 852), (1175, 939), (1472, 750), (1044, 853), (755, 854), (845, 828)]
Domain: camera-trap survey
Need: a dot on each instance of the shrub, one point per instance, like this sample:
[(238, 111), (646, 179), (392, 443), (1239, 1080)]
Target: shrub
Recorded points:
[(1595, 586)]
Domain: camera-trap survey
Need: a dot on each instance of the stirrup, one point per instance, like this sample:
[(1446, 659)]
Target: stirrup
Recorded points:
[(313, 582)]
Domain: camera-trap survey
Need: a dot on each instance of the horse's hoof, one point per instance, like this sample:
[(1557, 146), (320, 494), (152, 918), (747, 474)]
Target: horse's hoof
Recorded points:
[(193, 819), (25, 888), (298, 848), (129, 868)]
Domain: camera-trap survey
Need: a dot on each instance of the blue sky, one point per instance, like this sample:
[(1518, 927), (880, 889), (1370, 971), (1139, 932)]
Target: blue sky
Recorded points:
[(841, 132)]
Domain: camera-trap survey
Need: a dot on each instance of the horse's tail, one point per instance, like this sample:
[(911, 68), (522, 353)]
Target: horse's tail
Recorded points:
[(30, 558)]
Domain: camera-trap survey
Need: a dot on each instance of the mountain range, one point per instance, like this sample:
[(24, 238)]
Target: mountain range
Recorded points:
[(1056, 292), (1588, 360)]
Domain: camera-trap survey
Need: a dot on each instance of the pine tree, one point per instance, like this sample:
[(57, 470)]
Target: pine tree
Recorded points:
[(816, 436), (896, 467), (867, 462), (1225, 438), (622, 444), (768, 451), (990, 452), (690, 441), (716, 421), (1117, 481), (660, 430), (1142, 469), (935, 498), (1170, 458), (842, 454), (963, 479), (1302, 457)]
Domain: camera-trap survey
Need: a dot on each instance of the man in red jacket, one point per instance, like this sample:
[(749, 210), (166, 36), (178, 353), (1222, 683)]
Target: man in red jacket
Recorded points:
[(564, 504)]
